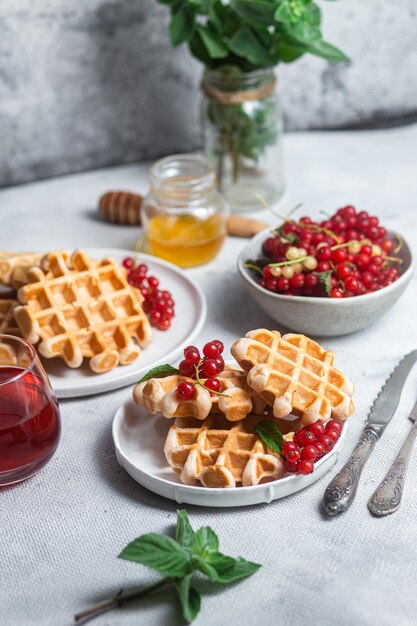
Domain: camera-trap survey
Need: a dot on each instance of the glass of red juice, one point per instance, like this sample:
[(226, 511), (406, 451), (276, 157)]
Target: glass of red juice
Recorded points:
[(30, 421)]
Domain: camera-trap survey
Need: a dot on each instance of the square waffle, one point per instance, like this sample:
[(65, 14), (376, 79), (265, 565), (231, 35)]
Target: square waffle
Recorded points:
[(294, 374), (82, 308), (219, 453), (159, 396)]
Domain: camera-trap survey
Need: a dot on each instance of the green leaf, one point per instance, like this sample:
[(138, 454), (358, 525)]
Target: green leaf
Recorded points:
[(270, 434), (184, 534), (325, 50), (245, 43), (325, 279), (189, 597), (213, 42), (160, 371), (256, 11), (160, 553), (181, 26), (304, 32), (205, 541), (284, 13), (228, 569), (198, 49)]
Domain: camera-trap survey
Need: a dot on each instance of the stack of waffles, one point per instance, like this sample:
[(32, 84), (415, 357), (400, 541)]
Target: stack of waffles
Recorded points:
[(288, 379), (73, 307)]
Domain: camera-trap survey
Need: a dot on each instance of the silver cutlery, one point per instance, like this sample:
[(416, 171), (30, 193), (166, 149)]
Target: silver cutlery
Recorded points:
[(341, 492), (387, 497)]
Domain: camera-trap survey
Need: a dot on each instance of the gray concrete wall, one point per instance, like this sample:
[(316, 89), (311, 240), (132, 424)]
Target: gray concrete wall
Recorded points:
[(88, 84)]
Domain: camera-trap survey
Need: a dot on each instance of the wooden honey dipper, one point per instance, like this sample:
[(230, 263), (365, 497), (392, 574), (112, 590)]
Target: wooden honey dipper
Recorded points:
[(123, 207)]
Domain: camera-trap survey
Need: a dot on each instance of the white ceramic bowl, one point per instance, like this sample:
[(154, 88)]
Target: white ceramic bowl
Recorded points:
[(326, 317)]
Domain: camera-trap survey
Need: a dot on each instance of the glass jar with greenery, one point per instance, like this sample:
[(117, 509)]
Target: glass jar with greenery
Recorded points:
[(240, 42)]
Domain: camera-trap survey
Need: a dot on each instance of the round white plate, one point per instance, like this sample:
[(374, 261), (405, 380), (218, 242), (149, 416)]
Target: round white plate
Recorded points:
[(190, 314), (139, 441)]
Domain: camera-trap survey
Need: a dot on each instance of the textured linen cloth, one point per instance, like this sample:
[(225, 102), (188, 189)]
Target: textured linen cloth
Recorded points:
[(61, 531)]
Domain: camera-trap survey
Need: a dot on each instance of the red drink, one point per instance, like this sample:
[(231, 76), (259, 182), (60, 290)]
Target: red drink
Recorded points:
[(29, 423)]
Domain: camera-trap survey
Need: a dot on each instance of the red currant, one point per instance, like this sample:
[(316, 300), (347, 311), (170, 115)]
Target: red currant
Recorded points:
[(343, 270), (311, 280), (283, 283), (128, 263), (324, 253), (291, 467), (186, 369), (213, 384), (288, 446), (339, 256), (192, 355), (335, 425), (309, 453), (304, 437), (327, 442), (319, 448), (209, 368), (336, 292), (306, 467), (293, 455), (164, 324), (333, 434), (317, 429), (211, 350), (185, 390), (219, 344), (297, 281)]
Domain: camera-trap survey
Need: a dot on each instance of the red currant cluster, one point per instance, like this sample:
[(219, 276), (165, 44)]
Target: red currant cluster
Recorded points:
[(200, 367), (310, 444), (158, 305), (343, 256)]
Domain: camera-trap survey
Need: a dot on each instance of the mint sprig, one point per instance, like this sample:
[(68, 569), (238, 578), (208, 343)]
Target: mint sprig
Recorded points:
[(160, 371), (270, 434), (178, 559)]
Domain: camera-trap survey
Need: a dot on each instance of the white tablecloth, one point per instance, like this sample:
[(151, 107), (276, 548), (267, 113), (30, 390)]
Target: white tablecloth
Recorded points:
[(61, 531)]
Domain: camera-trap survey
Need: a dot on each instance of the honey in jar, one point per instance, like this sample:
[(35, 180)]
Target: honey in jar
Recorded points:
[(184, 215)]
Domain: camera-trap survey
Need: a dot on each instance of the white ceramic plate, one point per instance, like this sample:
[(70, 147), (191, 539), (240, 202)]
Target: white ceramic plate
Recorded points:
[(139, 441), (190, 314)]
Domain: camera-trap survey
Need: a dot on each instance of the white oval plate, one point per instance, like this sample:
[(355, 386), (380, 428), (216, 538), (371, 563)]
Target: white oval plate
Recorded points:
[(139, 440), (190, 314)]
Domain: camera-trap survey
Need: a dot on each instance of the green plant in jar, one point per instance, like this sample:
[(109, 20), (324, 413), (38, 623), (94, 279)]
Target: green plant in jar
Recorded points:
[(240, 42)]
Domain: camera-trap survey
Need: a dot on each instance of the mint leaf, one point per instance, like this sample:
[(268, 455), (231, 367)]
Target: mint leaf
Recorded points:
[(205, 541), (325, 279), (189, 597), (256, 11), (229, 570), (246, 44), (213, 42), (184, 534), (270, 434), (160, 553), (160, 371), (181, 26)]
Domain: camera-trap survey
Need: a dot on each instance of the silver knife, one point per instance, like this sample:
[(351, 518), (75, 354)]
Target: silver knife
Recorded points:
[(387, 497), (341, 492)]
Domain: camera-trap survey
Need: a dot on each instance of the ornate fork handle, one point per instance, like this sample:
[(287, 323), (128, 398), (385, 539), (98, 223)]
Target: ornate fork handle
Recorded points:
[(341, 492), (387, 497)]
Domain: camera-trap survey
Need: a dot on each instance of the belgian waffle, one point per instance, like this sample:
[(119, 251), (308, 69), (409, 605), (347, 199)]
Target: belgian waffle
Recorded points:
[(294, 374), (14, 267), (82, 308), (159, 396), (219, 453)]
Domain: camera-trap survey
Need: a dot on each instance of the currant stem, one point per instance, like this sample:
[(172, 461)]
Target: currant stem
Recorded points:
[(119, 600)]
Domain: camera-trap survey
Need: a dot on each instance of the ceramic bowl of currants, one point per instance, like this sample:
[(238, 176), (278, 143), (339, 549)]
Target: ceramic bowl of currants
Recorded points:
[(327, 278)]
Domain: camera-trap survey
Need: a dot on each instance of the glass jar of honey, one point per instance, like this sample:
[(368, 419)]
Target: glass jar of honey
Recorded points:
[(184, 216)]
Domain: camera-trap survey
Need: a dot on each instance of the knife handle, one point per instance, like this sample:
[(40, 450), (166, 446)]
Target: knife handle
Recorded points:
[(341, 492), (387, 497)]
